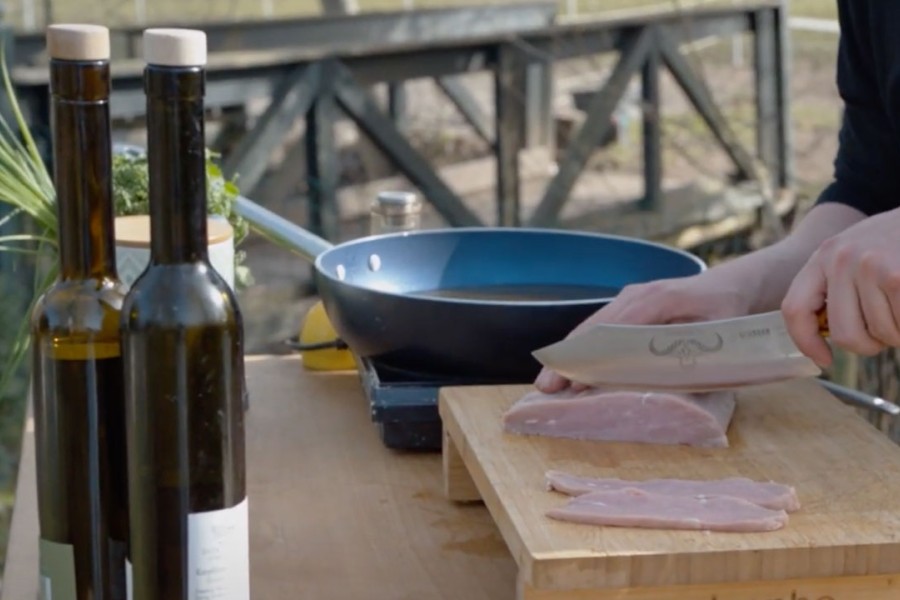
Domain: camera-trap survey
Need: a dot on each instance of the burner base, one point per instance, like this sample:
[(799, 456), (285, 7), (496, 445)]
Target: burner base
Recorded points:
[(404, 406), (424, 436)]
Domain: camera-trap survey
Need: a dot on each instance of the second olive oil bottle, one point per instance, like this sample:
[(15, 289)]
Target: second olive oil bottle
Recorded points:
[(183, 360)]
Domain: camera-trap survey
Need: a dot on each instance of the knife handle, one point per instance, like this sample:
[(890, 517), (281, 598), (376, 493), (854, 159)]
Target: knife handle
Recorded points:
[(822, 314)]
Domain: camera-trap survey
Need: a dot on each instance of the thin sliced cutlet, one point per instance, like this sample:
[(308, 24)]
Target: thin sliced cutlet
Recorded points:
[(767, 494), (630, 507), (625, 416)]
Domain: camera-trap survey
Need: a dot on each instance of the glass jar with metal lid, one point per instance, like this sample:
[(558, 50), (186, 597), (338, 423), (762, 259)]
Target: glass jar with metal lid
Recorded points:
[(394, 211)]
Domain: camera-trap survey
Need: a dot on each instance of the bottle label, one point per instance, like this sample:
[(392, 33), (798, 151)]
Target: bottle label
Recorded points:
[(219, 554), (57, 570), (129, 586), (118, 563)]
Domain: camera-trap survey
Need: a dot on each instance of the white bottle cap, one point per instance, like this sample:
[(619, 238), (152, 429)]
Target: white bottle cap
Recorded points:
[(78, 42), (175, 47)]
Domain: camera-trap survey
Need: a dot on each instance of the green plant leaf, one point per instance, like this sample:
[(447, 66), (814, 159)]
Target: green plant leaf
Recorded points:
[(12, 215), (45, 180)]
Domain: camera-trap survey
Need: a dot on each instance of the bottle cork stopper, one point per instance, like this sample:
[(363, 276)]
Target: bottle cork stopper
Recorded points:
[(78, 42), (175, 47)]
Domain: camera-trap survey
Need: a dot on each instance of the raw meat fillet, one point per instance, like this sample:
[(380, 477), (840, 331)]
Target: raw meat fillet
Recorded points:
[(625, 416), (630, 507), (767, 494)]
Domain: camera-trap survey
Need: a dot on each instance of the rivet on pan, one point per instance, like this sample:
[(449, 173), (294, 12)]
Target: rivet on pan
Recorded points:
[(341, 272), (374, 262)]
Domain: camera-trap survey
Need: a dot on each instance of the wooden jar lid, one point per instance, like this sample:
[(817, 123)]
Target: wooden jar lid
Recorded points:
[(78, 42), (134, 231)]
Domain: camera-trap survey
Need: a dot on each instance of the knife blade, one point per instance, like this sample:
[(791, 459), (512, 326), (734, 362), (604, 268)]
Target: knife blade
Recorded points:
[(691, 357)]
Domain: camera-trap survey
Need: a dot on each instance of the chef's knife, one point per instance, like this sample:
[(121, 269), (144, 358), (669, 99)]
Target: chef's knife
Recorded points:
[(693, 357)]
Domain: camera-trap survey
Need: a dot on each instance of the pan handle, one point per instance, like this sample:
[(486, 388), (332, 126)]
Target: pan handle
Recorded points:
[(281, 231)]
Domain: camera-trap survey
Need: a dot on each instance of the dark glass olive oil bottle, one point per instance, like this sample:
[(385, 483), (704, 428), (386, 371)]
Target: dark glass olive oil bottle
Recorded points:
[(182, 347), (77, 385)]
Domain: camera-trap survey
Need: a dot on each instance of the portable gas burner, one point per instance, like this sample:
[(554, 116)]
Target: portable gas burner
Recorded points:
[(404, 404)]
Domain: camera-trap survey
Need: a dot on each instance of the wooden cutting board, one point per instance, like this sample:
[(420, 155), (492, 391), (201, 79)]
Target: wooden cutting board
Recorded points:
[(843, 544)]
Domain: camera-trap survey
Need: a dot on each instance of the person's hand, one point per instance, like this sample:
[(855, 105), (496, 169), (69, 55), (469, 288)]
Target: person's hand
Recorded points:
[(858, 272), (708, 295)]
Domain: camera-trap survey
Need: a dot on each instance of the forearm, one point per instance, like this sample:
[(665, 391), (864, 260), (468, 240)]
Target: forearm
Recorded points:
[(765, 276)]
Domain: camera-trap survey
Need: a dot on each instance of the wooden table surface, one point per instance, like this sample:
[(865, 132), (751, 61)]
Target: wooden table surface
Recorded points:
[(333, 513)]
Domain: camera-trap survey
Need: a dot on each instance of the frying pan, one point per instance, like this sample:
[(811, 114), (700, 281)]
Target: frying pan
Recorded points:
[(467, 303)]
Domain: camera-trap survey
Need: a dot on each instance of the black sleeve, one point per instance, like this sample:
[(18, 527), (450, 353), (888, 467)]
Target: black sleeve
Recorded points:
[(867, 165)]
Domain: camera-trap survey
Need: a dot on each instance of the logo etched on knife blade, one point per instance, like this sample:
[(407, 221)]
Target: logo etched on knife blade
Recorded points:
[(686, 349)]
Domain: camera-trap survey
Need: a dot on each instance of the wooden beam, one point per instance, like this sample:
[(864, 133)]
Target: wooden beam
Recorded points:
[(701, 98), (509, 96), (396, 92), (651, 131), (293, 98), (360, 107), (322, 171), (770, 72), (595, 126), (766, 93), (465, 103)]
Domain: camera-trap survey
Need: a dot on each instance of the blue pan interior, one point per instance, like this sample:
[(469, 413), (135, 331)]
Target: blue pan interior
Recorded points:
[(477, 258)]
